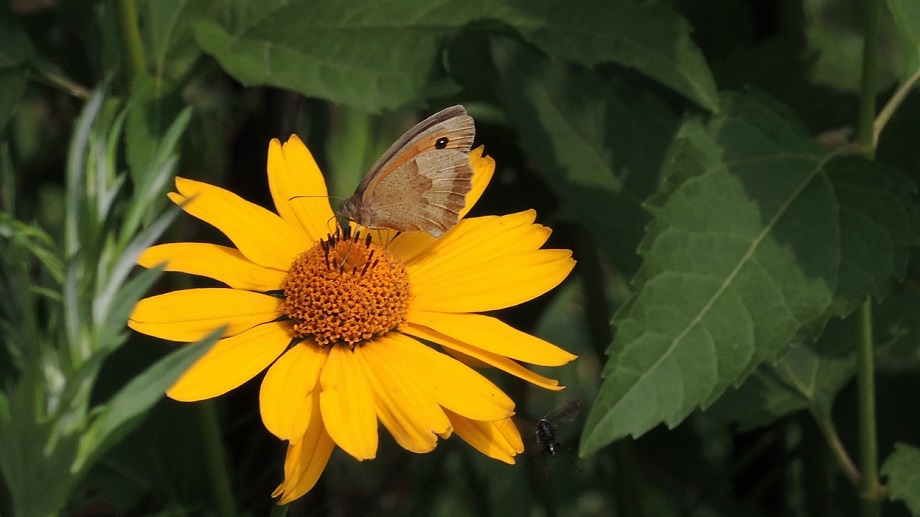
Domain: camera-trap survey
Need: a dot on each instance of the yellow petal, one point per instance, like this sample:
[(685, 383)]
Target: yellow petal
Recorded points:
[(221, 263), (404, 407), (480, 240), (454, 385), (285, 387), (298, 188), (347, 404), (262, 236), (500, 362), (483, 168), (408, 245), (231, 362), (499, 440), (191, 314), (306, 459), (504, 282), (491, 335)]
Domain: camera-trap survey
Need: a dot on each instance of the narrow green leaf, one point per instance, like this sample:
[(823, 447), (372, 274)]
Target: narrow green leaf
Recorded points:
[(903, 471), (756, 240), (102, 302), (125, 409), (599, 148)]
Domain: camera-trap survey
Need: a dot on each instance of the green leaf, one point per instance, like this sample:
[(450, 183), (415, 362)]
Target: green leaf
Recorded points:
[(906, 16), (154, 107), (389, 54), (757, 238), (600, 149), (371, 55), (903, 471), (12, 88), (15, 47), (123, 411), (808, 377), (648, 36), (169, 37)]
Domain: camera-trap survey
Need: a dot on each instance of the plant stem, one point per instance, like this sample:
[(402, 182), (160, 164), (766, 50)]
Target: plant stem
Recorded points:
[(888, 111), (865, 386), (279, 510), (869, 491), (133, 61), (865, 124), (219, 473)]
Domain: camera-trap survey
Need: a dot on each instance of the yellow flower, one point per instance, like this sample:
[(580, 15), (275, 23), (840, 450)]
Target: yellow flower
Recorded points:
[(340, 320)]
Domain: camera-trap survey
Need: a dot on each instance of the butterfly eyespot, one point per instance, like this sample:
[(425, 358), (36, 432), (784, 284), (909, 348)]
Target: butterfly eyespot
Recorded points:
[(441, 143)]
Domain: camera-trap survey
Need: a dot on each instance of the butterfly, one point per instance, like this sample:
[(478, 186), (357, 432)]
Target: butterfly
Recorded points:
[(420, 183)]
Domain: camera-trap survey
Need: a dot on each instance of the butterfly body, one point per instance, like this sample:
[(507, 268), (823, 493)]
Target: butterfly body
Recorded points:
[(421, 182)]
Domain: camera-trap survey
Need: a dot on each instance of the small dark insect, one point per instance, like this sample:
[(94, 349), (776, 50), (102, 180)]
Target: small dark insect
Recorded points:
[(546, 426)]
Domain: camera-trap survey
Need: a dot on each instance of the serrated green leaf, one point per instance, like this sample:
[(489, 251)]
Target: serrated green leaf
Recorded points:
[(364, 56), (647, 36), (903, 471), (599, 148), (122, 412), (757, 238), (388, 54)]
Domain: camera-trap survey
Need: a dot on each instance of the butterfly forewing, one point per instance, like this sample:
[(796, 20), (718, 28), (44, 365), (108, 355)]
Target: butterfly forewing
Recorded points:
[(421, 182)]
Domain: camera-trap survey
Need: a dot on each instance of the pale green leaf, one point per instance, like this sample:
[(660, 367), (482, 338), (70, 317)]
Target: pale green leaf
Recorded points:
[(903, 471), (124, 410)]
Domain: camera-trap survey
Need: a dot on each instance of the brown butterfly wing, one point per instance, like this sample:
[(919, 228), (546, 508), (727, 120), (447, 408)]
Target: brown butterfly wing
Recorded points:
[(421, 182), (424, 194)]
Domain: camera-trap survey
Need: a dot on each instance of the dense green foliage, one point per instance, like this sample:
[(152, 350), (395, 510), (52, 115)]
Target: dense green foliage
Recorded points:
[(738, 180)]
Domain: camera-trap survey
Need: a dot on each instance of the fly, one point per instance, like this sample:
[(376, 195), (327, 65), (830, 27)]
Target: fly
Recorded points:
[(546, 426)]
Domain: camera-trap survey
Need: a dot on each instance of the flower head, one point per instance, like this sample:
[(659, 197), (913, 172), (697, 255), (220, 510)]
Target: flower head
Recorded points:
[(345, 323)]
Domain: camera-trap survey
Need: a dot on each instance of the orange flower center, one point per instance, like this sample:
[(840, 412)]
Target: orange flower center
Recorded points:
[(345, 289)]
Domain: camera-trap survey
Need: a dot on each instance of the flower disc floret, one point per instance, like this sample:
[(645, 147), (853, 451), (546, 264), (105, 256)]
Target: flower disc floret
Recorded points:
[(345, 289)]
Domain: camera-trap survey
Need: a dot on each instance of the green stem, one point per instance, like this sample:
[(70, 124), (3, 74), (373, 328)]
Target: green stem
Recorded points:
[(826, 426), (53, 77), (892, 105), (278, 510), (133, 61), (864, 127), (219, 472), (869, 485)]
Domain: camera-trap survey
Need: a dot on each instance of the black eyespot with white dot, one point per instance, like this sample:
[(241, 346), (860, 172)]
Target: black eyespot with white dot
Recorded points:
[(441, 143)]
